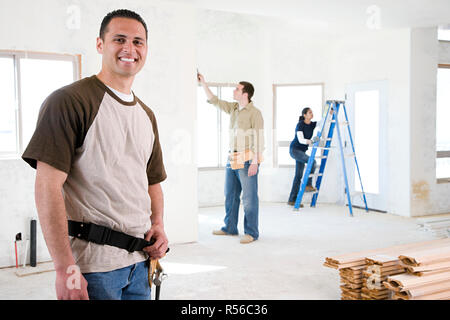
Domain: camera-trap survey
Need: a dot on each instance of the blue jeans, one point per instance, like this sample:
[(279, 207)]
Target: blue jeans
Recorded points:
[(237, 181), (301, 158), (129, 283)]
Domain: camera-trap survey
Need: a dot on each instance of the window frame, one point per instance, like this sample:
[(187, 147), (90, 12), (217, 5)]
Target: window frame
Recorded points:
[(443, 153), (443, 28), (17, 55), (219, 86), (283, 143)]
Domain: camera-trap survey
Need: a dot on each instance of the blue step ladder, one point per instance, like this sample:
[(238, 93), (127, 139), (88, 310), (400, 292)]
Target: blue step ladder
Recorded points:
[(333, 107)]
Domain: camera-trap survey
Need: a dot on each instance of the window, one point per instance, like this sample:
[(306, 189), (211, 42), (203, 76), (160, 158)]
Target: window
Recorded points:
[(212, 127), (444, 33), (26, 80), (442, 116), (289, 101)]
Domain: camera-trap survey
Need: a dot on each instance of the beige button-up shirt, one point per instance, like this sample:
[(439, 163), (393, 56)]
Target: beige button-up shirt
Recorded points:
[(246, 126)]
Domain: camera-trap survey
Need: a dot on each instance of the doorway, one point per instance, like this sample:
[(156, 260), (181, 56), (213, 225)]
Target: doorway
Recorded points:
[(367, 114)]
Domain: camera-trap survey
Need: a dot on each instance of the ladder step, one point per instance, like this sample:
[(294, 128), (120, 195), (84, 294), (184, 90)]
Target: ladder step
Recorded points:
[(325, 147), (354, 194), (316, 175), (350, 155), (321, 157), (343, 123)]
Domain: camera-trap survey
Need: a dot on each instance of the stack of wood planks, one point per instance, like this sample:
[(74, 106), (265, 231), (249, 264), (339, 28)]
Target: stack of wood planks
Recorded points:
[(351, 283), (379, 267), (362, 274), (438, 226), (427, 277)]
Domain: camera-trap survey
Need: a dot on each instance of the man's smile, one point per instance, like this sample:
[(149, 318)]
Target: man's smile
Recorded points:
[(128, 60)]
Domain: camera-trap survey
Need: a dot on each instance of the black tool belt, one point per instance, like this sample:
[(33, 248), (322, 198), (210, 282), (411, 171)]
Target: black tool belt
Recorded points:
[(103, 235)]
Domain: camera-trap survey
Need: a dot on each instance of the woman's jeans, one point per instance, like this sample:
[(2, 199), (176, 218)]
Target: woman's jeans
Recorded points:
[(301, 158), (129, 283), (237, 181)]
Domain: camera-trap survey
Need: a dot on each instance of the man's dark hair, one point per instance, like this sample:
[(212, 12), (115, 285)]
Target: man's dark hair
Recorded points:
[(121, 13), (248, 88)]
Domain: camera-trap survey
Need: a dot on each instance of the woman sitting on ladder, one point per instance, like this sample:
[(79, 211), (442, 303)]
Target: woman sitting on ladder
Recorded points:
[(302, 140)]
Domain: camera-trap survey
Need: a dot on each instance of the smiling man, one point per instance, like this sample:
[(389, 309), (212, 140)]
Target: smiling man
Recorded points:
[(99, 166)]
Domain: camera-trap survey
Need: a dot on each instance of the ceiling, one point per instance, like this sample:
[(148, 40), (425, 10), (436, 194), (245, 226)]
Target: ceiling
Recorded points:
[(340, 14)]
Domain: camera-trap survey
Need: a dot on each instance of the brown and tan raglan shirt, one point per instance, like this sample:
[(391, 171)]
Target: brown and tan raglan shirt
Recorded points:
[(111, 152)]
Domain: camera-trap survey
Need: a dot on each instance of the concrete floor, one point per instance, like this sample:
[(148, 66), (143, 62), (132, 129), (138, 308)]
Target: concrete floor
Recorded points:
[(285, 263)]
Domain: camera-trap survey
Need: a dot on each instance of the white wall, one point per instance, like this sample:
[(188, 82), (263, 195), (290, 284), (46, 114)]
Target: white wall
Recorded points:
[(427, 196), (166, 84), (381, 55)]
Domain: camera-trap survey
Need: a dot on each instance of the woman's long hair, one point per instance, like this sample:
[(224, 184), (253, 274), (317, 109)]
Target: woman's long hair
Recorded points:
[(304, 111)]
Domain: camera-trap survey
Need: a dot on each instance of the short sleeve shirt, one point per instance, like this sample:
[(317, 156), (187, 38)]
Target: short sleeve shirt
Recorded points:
[(111, 152)]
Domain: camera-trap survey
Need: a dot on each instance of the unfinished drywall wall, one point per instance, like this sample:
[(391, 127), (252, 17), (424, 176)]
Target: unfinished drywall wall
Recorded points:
[(427, 196), (166, 84), (381, 55)]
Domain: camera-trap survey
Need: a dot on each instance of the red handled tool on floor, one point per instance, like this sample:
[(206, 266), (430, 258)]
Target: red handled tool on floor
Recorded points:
[(18, 238)]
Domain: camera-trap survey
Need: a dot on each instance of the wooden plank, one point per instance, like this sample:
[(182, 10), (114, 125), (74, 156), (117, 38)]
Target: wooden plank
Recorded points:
[(351, 285), (445, 295), (399, 296), (40, 268), (351, 276), (344, 265), (407, 281), (351, 293), (358, 268), (428, 256), (375, 268), (351, 270), (384, 273), (370, 296), (352, 264), (429, 267), (427, 273), (374, 292), (362, 254), (382, 259), (429, 289), (329, 265), (392, 286)]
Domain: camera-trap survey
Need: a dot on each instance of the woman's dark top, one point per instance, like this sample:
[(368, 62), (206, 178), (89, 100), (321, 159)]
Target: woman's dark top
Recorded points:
[(308, 130)]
